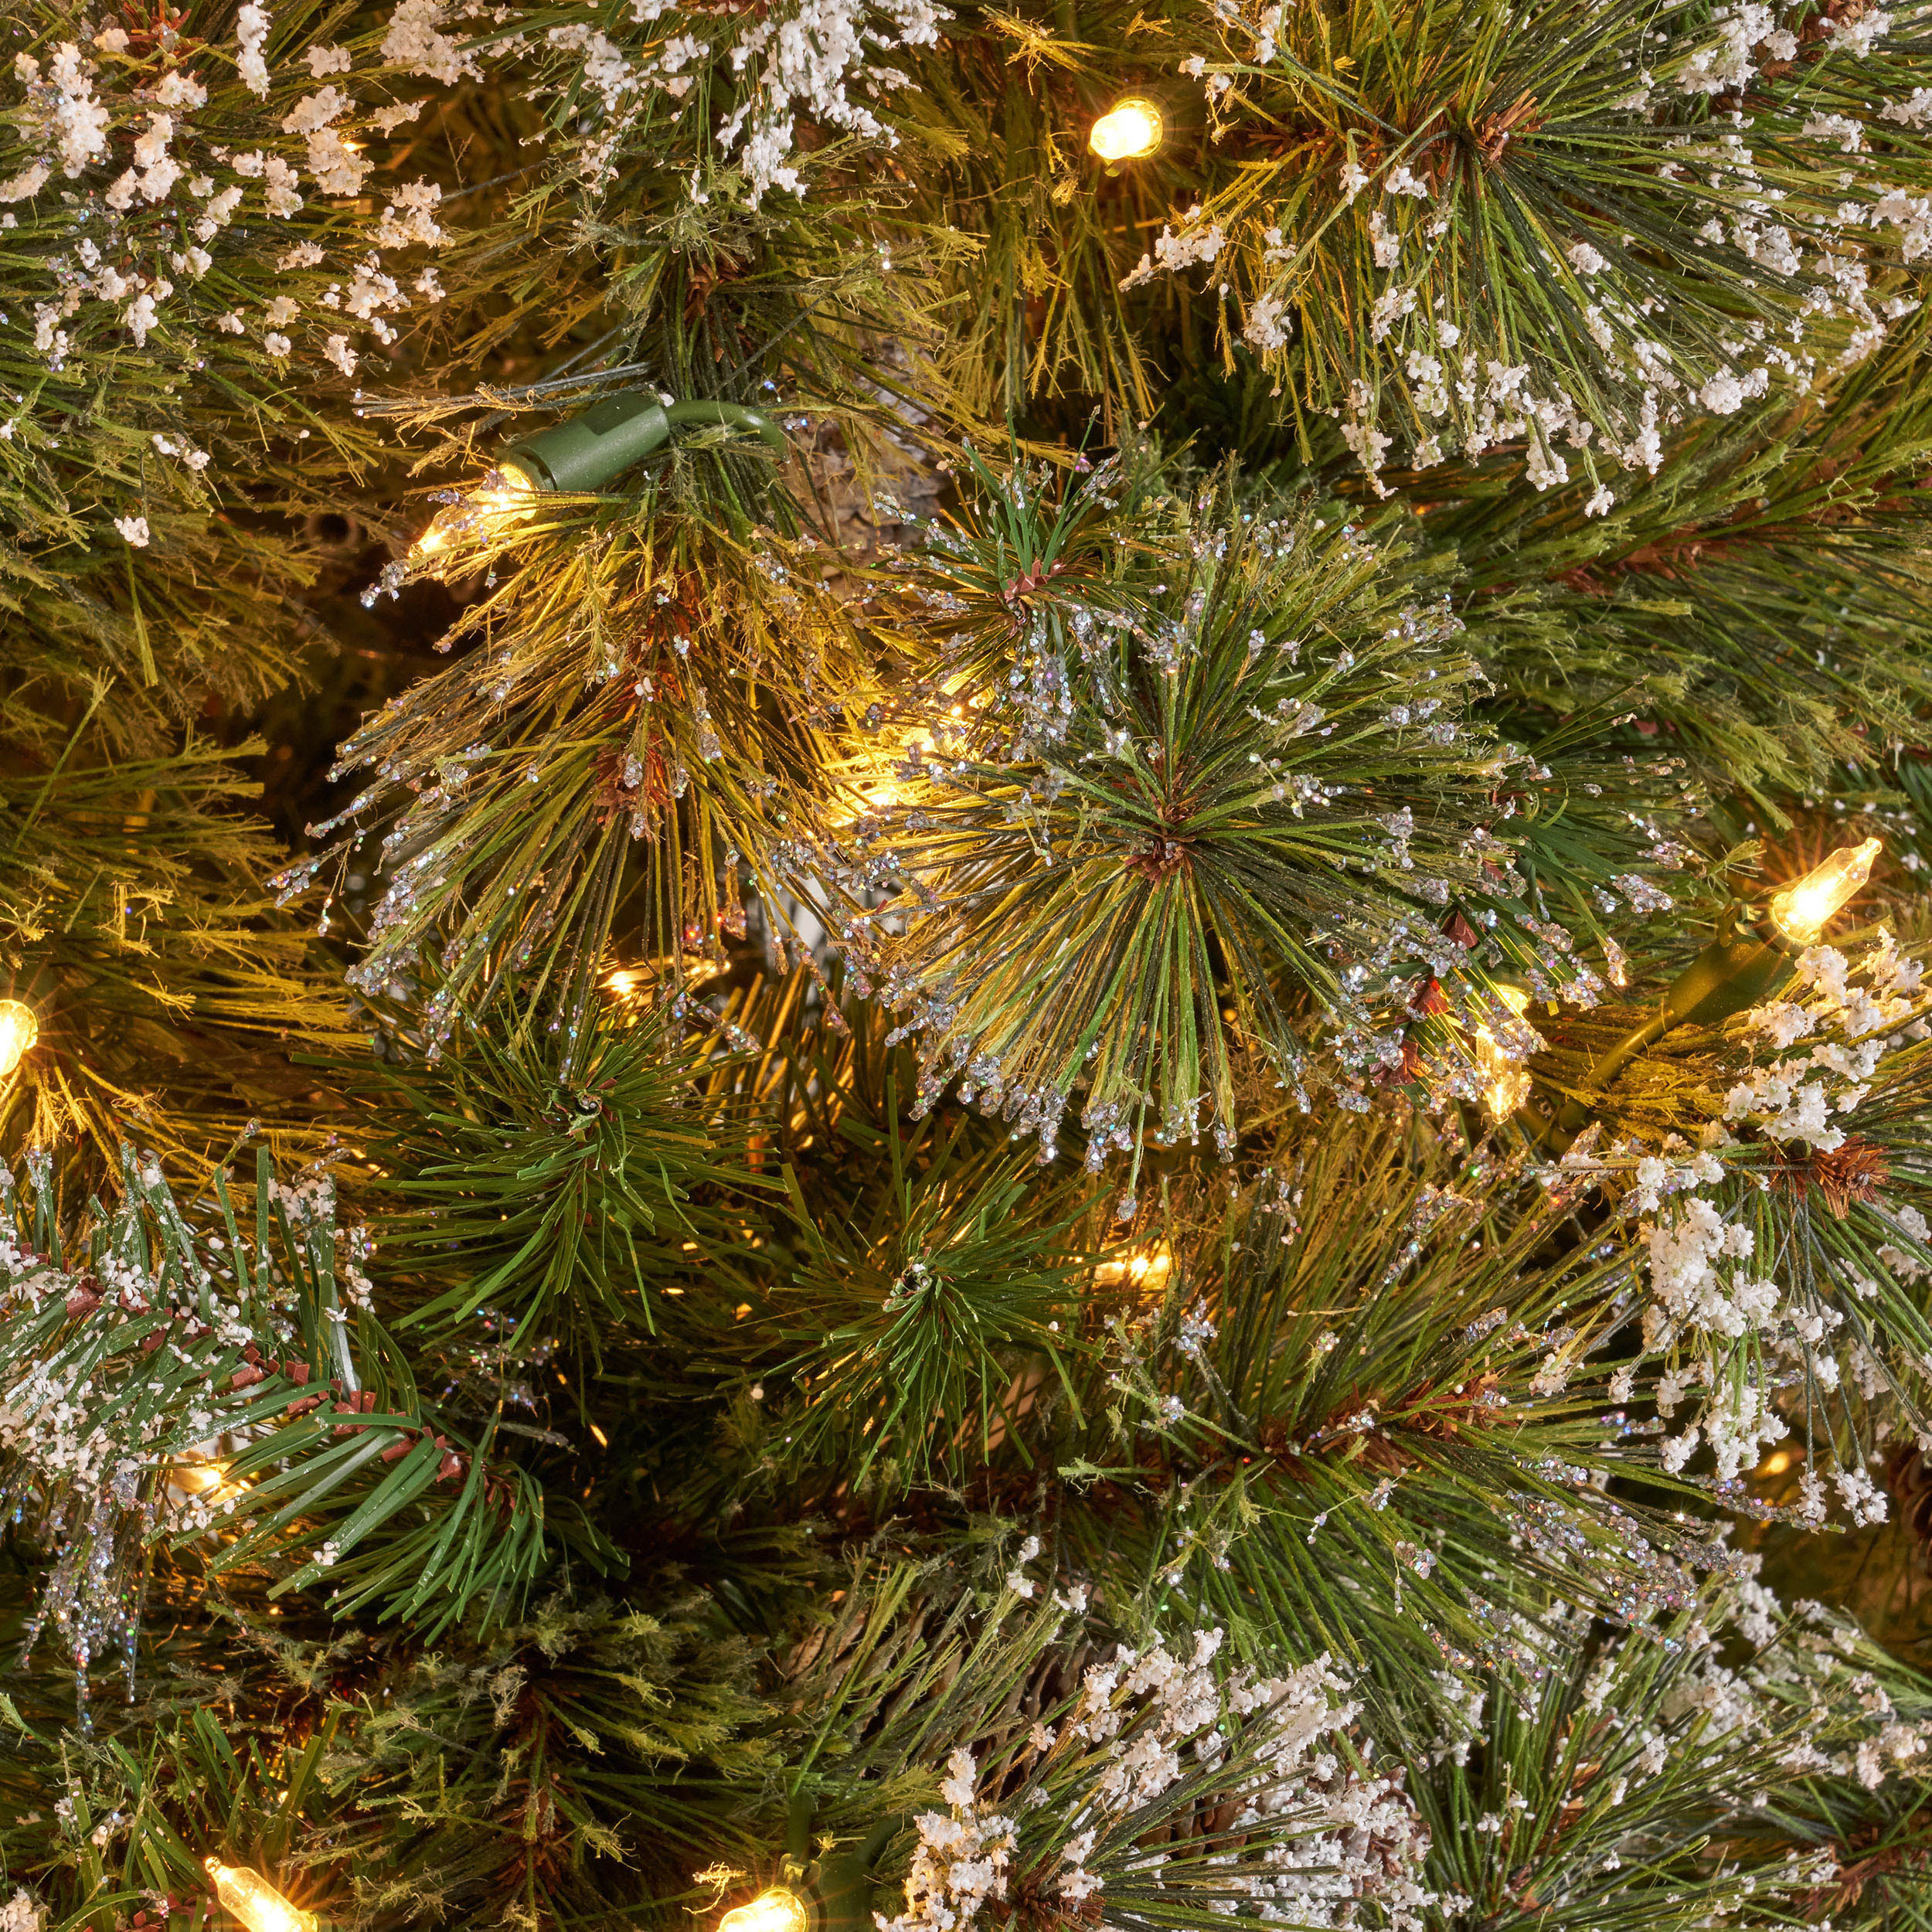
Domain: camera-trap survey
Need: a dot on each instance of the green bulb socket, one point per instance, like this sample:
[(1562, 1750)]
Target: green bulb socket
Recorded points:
[(1728, 977), (842, 1880), (587, 451), (1735, 971)]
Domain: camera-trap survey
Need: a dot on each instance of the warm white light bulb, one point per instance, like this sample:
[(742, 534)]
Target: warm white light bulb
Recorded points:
[(255, 1902), (1131, 130), (1802, 910), (1507, 1084), (776, 1909), (884, 785), (18, 1030), (201, 1479), (505, 496), (1145, 1270), (505, 492)]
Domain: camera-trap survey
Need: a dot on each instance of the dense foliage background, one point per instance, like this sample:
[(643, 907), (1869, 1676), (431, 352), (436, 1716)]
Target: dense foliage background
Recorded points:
[(884, 1157)]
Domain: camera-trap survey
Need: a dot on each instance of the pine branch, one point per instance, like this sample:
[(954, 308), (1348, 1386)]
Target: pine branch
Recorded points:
[(668, 697), (1109, 866), (550, 1187), (169, 1336), (165, 987), (1752, 601)]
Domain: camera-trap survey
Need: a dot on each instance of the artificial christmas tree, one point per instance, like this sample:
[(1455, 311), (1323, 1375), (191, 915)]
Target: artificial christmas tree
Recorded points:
[(963, 968)]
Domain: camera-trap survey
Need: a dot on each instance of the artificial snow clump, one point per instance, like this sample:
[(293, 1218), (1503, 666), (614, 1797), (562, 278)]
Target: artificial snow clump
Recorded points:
[(805, 60), (251, 35), (1308, 1835), (1571, 344), (1722, 1288), (21, 1913)]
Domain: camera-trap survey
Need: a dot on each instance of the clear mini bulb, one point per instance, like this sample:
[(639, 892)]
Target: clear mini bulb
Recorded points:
[(255, 1902), (1145, 1269), (1131, 130), (505, 497), (776, 1909), (18, 1030), (1802, 910), (1507, 1083)]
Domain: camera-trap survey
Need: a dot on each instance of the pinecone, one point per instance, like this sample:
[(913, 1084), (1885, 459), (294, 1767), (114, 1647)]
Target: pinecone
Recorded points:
[(1853, 1171), (1908, 1474)]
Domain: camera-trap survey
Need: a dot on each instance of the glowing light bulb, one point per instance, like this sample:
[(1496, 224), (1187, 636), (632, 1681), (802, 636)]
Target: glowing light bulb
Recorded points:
[(629, 985), (1131, 130), (201, 1478), (1802, 910), (505, 497), (1145, 1270), (776, 1909), (884, 786), (255, 1902), (874, 801), (1508, 1084), (18, 1030)]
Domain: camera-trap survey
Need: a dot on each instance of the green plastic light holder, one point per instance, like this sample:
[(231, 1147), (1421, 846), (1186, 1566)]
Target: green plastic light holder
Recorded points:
[(1735, 971), (587, 451), (838, 1887)]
